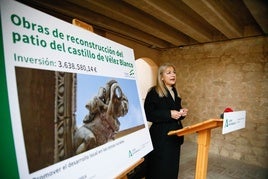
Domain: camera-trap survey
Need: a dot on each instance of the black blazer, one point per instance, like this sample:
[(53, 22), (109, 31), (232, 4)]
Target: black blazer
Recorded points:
[(157, 110)]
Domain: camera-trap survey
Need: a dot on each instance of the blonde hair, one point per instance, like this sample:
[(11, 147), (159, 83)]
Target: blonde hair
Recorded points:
[(160, 86)]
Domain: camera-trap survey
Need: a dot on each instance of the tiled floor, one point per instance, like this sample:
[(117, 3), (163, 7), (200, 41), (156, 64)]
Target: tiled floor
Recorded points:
[(218, 167)]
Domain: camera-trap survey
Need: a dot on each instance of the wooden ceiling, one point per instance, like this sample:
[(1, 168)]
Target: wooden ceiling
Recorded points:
[(163, 24)]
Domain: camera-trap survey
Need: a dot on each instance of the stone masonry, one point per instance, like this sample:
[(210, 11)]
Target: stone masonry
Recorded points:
[(211, 77)]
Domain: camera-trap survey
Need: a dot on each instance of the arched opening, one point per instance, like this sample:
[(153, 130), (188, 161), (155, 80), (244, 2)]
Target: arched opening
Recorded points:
[(146, 75)]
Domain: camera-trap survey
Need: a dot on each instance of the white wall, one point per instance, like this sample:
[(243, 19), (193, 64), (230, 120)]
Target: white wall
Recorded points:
[(146, 75)]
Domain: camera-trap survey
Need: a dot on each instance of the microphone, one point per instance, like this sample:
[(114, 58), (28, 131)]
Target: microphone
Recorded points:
[(226, 110)]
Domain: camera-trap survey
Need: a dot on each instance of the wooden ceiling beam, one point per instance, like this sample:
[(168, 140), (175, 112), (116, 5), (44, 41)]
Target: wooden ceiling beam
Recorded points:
[(117, 11), (259, 10), (96, 20), (214, 14), (163, 24), (171, 15)]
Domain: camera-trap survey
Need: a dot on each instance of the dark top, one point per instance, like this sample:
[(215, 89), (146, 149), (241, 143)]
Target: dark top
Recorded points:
[(163, 161)]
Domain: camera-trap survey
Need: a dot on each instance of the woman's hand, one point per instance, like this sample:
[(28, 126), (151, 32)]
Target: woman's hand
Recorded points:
[(184, 112), (177, 114)]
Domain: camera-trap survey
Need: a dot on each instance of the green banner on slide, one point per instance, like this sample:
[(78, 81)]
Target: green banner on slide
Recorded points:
[(8, 164)]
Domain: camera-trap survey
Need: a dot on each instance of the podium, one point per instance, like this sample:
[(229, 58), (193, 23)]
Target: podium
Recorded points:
[(203, 140)]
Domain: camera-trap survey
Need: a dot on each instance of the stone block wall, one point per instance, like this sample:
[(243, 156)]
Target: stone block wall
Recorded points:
[(211, 77)]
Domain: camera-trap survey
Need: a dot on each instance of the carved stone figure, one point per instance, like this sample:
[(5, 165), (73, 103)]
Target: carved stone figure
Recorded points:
[(101, 124)]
